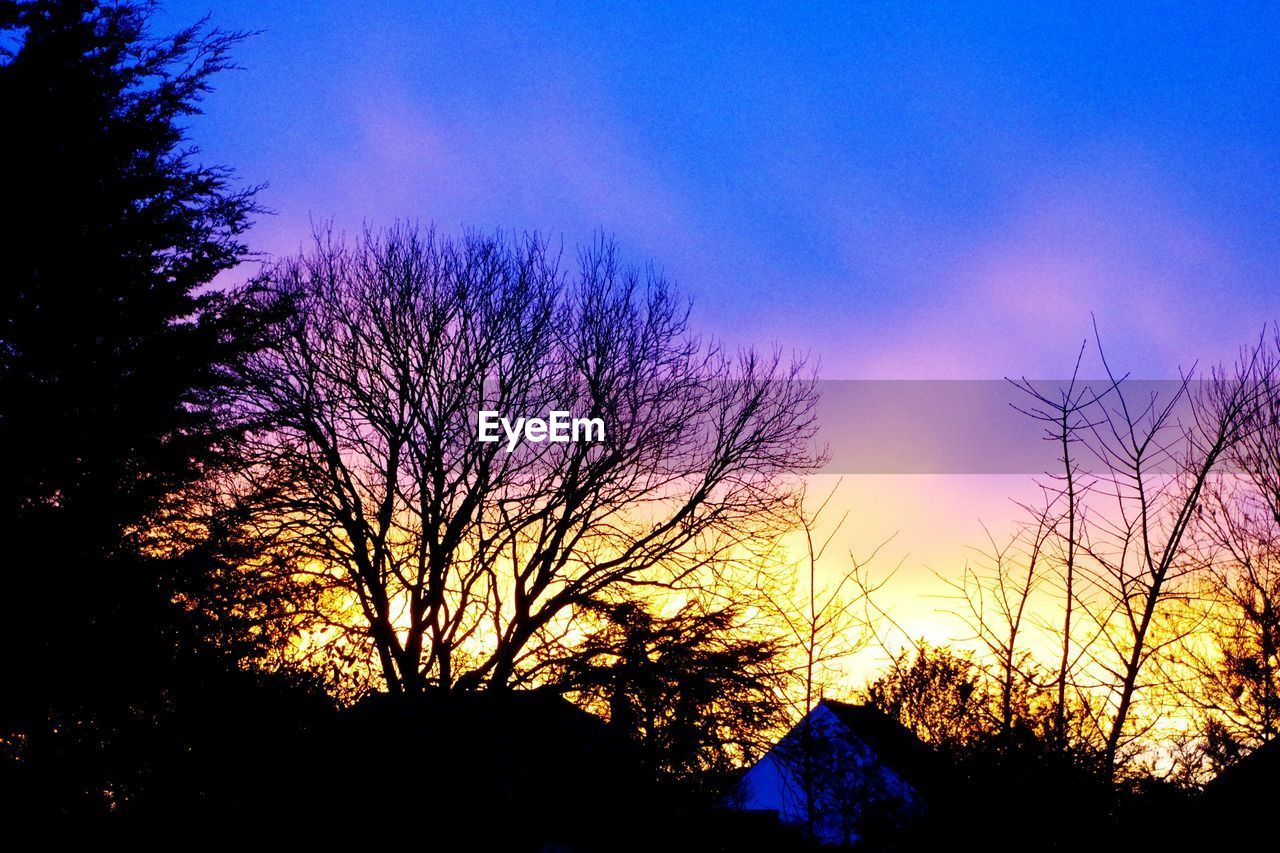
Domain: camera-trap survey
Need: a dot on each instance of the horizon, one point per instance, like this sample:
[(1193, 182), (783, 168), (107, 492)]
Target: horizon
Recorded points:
[(898, 196)]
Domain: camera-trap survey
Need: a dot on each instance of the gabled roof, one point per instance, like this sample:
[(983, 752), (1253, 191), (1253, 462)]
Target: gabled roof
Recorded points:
[(892, 742)]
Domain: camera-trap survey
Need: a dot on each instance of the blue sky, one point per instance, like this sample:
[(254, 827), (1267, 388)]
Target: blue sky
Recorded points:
[(900, 192)]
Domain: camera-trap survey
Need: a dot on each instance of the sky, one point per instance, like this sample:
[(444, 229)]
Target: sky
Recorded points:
[(893, 190), (898, 192)]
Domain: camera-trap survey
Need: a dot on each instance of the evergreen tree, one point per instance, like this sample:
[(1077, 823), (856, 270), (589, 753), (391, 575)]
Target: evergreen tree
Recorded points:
[(114, 353), (697, 691)]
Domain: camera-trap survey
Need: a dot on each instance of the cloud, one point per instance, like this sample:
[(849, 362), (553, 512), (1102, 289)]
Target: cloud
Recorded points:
[(1018, 299)]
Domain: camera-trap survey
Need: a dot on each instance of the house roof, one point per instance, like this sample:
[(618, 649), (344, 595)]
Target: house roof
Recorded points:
[(892, 742)]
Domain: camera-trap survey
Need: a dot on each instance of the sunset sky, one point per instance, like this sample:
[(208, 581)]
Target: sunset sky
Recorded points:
[(900, 194)]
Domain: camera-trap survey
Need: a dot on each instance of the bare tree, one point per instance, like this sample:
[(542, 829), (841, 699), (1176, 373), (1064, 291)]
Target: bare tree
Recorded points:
[(823, 621), (448, 558), (823, 624), (1156, 457), (1065, 414), (1021, 593), (996, 601), (1228, 667), (1112, 541)]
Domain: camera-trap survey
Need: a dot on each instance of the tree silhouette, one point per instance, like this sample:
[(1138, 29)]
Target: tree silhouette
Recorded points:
[(938, 694), (1226, 670), (446, 561), (1000, 756), (113, 361), (698, 691)]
